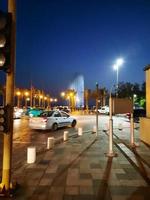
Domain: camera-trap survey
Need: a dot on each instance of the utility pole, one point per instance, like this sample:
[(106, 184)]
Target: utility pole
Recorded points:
[(86, 93), (31, 94), (7, 149)]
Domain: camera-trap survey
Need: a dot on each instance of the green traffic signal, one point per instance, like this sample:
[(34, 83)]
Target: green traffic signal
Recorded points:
[(5, 41)]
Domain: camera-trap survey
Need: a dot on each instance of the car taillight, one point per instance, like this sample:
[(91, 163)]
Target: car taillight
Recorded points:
[(44, 119), (128, 115)]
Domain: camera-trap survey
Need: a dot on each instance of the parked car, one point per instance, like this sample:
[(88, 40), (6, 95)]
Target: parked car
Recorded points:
[(18, 112), (62, 108), (34, 112), (66, 109), (137, 113), (52, 120), (104, 110)]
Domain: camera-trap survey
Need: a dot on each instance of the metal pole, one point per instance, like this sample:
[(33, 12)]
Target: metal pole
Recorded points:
[(25, 102), (33, 101), (110, 126), (7, 149), (96, 109), (117, 80), (87, 100), (18, 101), (110, 151), (132, 131), (31, 95)]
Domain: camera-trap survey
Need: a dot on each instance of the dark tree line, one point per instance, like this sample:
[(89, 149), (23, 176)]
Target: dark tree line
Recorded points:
[(133, 90), (129, 89)]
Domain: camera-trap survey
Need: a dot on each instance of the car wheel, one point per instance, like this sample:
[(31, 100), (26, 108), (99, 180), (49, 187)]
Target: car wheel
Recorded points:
[(54, 127), (74, 123)]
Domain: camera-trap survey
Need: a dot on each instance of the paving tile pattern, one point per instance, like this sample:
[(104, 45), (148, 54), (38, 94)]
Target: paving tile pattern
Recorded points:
[(79, 170)]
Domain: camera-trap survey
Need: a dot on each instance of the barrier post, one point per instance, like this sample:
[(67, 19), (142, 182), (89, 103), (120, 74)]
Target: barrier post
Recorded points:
[(50, 142), (132, 143), (65, 136), (80, 131), (94, 129), (31, 155)]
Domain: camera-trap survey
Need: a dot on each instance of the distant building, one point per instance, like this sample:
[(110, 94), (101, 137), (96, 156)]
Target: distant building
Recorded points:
[(78, 86)]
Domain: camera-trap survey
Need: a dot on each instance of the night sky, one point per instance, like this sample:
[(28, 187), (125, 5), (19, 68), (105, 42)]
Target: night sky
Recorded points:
[(58, 38)]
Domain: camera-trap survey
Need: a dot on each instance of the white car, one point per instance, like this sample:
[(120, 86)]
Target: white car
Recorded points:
[(52, 120), (104, 110)]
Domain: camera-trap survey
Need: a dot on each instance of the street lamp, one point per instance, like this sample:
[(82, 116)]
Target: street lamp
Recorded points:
[(55, 100), (116, 66), (63, 94)]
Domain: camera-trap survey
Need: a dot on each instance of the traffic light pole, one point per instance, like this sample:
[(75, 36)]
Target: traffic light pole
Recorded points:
[(8, 138)]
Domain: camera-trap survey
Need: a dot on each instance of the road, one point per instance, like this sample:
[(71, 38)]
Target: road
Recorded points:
[(24, 137)]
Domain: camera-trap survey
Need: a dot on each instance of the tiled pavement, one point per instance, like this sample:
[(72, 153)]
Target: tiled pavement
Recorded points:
[(79, 170)]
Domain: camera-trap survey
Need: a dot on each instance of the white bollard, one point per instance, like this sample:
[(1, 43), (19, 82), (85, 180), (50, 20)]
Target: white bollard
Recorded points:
[(94, 129), (50, 142), (120, 127), (31, 154), (65, 135), (80, 132), (105, 128)]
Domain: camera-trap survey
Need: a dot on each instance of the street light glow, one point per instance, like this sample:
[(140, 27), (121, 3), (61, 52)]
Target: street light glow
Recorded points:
[(119, 61), (115, 67), (18, 93), (26, 93), (62, 94)]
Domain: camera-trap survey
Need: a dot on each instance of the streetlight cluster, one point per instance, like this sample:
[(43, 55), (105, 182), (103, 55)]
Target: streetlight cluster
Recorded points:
[(37, 98), (70, 95)]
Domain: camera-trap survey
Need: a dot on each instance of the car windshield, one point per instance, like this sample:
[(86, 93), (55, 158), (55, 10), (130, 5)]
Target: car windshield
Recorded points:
[(46, 114)]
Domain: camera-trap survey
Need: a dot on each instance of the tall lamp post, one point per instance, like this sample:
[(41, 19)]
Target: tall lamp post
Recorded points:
[(26, 97), (116, 67)]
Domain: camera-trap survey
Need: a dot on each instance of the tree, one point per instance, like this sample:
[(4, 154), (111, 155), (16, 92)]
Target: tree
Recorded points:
[(128, 90)]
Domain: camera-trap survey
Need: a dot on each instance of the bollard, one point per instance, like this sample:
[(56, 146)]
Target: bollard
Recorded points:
[(94, 129), (50, 142), (105, 129), (80, 132), (31, 154), (65, 136), (119, 126)]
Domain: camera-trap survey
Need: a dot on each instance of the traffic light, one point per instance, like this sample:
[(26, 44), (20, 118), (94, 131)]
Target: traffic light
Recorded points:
[(5, 41), (5, 115)]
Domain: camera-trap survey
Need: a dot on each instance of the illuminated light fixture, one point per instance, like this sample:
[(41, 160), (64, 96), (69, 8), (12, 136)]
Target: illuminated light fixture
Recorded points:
[(119, 61)]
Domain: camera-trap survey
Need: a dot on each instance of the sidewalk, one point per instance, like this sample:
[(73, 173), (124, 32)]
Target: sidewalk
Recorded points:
[(79, 170)]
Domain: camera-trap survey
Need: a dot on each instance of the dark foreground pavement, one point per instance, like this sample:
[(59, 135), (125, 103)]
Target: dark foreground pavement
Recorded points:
[(79, 170)]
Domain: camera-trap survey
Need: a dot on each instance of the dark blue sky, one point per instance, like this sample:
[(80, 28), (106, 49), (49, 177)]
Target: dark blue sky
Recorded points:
[(57, 38)]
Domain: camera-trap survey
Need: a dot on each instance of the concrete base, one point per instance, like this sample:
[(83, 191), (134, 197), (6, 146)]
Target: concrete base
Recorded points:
[(145, 129)]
